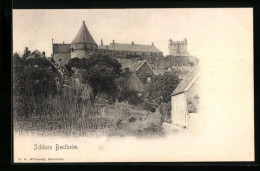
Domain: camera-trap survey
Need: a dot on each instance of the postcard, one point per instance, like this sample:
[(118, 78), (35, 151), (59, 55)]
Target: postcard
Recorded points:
[(133, 85)]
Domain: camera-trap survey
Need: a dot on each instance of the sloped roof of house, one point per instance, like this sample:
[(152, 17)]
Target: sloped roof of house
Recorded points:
[(135, 84), (137, 66), (36, 54), (130, 47), (187, 81), (83, 36), (60, 48)]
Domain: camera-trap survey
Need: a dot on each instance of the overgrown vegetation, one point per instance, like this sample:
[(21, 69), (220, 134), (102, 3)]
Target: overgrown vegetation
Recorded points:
[(47, 103), (193, 104), (160, 88)]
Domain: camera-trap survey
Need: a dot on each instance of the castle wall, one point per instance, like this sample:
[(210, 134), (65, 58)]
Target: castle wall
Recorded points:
[(127, 54), (81, 53), (62, 58)]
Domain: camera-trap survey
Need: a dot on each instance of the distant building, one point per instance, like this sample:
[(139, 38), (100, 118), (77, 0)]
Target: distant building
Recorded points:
[(83, 46), (187, 88), (139, 74), (35, 54), (129, 50), (178, 48), (61, 53)]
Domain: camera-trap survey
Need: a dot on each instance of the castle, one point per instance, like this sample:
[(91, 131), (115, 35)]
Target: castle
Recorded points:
[(178, 48), (129, 50), (83, 46)]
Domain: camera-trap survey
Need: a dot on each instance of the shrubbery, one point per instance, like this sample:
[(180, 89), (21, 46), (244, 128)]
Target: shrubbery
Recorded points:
[(193, 104), (51, 101), (131, 120)]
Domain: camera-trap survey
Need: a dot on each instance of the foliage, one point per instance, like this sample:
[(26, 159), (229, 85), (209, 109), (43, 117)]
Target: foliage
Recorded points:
[(122, 88), (160, 88), (33, 78), (193, 104), (131, 120), (165, 110), (100, 72)]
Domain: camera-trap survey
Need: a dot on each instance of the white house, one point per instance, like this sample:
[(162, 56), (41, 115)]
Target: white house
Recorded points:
[(188, 88)]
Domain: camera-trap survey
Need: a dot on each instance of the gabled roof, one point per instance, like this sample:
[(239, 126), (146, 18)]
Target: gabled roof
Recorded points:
[(36, 54), (131, 47), (60, 48), (83, 36), (187, 81), (138, 65)]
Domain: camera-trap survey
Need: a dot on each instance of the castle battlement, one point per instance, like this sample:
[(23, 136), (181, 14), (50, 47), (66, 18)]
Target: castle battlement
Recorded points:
[(178, 48)]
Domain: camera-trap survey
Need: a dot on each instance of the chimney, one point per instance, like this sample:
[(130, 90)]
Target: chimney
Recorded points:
[(133, 43), (101, 42), (26, 50), (84, 22), (152, 44), (63, 42), (43, 53), (113, 41)]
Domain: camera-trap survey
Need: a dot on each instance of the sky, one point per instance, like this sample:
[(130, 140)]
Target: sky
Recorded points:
[(207, 30)]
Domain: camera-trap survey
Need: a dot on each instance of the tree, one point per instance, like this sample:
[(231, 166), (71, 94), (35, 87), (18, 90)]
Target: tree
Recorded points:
[(160, 88), (100, 72), (122, 88), (34, 78), (193, 104)]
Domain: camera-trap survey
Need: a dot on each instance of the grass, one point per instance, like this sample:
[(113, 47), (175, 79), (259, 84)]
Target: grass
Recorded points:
[(68, 114)]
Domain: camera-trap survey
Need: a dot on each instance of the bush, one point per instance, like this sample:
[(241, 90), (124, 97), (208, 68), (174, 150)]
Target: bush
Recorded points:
[(165, 110), (193, 104), (100, 72), (131, 120)]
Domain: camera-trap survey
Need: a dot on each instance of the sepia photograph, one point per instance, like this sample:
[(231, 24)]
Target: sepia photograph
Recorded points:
[(133, 85)]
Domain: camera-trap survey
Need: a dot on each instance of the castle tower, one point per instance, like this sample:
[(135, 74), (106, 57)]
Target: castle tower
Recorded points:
[(178, 48), (83, 44)]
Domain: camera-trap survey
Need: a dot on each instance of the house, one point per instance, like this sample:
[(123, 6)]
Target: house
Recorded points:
[(124, 50), (188, 88), (35, 54), (61, 53), (139, 74)]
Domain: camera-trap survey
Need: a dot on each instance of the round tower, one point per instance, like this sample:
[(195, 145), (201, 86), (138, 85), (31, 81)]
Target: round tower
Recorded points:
[(83, 45)]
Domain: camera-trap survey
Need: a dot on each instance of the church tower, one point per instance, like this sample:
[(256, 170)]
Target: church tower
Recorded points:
[(83, 45)]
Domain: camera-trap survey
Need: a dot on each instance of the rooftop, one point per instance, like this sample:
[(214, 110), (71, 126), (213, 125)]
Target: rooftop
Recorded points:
[(130, 47), (187, 81), (83, 36)]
